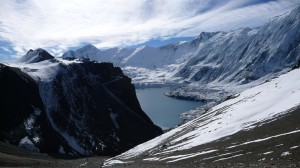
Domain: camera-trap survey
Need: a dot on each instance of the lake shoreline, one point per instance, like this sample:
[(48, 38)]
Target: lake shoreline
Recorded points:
[(163, 110)]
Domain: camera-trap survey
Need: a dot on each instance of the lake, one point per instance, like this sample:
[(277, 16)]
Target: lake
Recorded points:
[(163, 111)]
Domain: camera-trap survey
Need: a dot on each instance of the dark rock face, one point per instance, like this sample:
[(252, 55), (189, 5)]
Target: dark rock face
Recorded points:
[(19, 96), (87, 109), (98, 106), (19, 102)]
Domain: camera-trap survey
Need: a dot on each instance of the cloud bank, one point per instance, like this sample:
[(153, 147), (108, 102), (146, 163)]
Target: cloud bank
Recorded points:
[(60, 24)]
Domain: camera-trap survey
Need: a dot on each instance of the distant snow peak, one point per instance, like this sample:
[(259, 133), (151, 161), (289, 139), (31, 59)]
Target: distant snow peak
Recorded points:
[(205, 36), (30, 50), (34, 56), (86, 52), (89, 47)]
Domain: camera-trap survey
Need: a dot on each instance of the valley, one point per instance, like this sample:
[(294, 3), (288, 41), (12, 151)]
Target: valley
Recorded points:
[(223, 99)]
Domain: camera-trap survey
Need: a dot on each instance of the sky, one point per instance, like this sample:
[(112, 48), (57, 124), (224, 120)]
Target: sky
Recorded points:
[(60, 25)]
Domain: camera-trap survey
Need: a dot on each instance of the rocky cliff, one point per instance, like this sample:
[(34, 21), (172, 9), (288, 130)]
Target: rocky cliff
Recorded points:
[(70, 107)]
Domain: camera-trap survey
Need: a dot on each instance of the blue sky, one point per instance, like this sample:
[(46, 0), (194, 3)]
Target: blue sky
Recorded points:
[(59, 25)]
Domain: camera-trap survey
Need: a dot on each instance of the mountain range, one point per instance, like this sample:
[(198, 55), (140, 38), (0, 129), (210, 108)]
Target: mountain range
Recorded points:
[(213, 66), (82, 105)]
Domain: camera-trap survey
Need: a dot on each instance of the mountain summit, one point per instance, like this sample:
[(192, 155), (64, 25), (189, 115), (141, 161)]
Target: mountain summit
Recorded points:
[(34, 56)]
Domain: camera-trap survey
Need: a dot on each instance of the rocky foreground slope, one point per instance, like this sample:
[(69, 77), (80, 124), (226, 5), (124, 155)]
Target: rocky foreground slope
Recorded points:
[(70, 107)]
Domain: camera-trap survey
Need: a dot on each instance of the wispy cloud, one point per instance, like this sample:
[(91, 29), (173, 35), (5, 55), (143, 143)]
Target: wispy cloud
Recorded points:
[(57, 25)]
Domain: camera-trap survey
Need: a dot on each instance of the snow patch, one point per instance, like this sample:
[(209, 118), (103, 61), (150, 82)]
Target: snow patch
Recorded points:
[(294, 147), (40, 71), (36, 139), (83, 164), (113, 162), (229, 157), (29, 123), (266, 153), (26, 143), (191, 155), (152, 159), (265, 139), (212, 157), (285, 153)]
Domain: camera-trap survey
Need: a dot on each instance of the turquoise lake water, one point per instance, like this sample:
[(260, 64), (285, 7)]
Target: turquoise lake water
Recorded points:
[(163, 111)]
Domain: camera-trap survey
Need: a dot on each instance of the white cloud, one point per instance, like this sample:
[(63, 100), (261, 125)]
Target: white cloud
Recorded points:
[(57, 25), (5, 49)]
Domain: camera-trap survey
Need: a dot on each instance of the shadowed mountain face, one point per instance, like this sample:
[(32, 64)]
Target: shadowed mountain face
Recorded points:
[(69, 107), (19, 97)]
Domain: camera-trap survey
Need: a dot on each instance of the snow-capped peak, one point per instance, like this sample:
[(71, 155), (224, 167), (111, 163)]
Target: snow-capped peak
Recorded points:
[(89, 51), (204, 36), (88, 47), (34, 56)]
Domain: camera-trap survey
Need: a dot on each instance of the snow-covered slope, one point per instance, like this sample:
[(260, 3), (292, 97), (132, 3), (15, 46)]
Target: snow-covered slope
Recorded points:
[(245, 55), (70, 107), (245, 111)]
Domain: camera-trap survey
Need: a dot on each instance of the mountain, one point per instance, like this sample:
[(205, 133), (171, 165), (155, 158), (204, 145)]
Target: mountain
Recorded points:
[(82, 53), (143, 57), (34, 56), (213, 66), (256, 128), (70, 107), (246, 54), (217, 58), (229, 63)]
